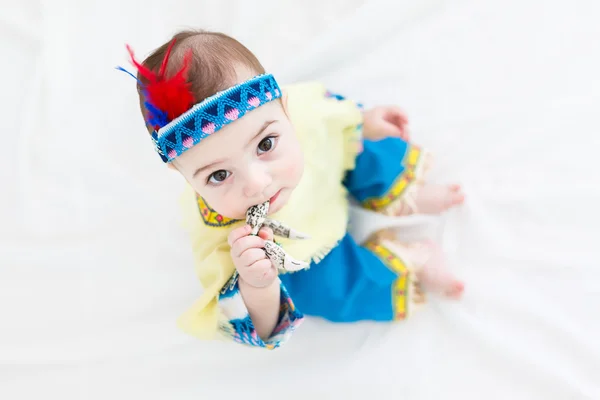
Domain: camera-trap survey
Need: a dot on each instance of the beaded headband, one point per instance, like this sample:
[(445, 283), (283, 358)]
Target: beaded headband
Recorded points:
[(177, 123), (212, 114)]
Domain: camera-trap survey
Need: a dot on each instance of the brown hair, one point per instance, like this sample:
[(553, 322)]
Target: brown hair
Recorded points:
[(215, 57)]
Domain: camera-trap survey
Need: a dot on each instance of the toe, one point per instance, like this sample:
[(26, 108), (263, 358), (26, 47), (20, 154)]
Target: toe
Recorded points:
[(455, 290), (458, 198), (454, 199)]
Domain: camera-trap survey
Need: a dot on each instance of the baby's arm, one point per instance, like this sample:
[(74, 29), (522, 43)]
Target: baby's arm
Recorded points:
[(258, 283), (263, 306)]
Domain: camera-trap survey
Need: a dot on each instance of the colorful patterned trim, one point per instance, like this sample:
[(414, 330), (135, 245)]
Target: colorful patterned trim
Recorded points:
[(239, 326), (400, 185), (339, 97), (210, 216), (358, 129), (212, 114), (401, 286)]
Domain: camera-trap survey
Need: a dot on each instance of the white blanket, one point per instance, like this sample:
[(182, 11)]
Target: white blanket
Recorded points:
[(95, 268)]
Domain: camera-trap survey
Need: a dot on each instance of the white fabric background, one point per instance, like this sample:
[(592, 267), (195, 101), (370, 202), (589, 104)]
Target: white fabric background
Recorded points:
[(94, 267)]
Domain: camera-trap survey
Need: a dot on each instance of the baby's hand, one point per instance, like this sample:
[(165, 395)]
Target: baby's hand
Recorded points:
[(249, 257), (385, 121)]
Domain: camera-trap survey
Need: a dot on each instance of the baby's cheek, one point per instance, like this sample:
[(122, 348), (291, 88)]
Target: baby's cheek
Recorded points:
[(228, 208), (289, 166), (293, 168)]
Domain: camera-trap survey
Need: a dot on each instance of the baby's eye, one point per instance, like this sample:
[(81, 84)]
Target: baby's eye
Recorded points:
[(218, 176), (266, 144)]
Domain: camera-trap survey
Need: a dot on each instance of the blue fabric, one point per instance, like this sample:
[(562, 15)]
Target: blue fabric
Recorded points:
[(350, 284), (377, 168), (241, 328), (212, 114)]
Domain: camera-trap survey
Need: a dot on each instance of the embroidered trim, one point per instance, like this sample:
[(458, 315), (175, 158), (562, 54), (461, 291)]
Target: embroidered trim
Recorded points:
[(211, 217), (401, 286), (400, 185), (331, 95), (239, 326), (212, 114)]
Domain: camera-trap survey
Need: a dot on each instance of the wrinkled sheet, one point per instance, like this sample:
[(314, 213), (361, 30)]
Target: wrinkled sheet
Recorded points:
[(95, 267)]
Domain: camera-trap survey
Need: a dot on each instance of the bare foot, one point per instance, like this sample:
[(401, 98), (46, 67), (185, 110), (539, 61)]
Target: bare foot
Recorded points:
[(434, 199), (428, 257), (435, 275)]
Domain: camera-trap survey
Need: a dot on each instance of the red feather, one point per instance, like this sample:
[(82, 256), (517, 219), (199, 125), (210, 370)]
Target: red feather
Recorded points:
[(173, 95)]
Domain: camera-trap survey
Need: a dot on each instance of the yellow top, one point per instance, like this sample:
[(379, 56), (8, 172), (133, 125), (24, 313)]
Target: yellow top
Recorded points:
[(329, 133)]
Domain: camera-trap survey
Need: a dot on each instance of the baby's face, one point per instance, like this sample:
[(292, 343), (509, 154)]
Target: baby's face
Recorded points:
[(249, 161)]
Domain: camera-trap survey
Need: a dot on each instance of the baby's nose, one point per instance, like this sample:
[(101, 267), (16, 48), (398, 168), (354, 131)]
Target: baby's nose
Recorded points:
[(256, 181)]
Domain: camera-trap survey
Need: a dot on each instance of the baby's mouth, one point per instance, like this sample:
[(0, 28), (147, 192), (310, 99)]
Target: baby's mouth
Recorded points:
[(274, 198)]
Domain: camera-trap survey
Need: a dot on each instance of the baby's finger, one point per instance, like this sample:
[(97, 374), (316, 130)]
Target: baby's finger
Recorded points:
[(400, 115), (245, 243), (251, 256), (263, 270), (390, 129), (265, 264), (266, 233), (396, 117), (238, 233)]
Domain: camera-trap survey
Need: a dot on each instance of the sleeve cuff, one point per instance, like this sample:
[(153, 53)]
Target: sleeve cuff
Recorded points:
[(237, 324)]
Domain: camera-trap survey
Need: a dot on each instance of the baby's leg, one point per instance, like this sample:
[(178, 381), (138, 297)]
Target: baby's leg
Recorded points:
[(356, 283), (427, 198), (389, 178), (381, 280), (426, 259)]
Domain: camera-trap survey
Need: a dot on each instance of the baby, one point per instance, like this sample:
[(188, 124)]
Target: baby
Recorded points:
[(239, 139)]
